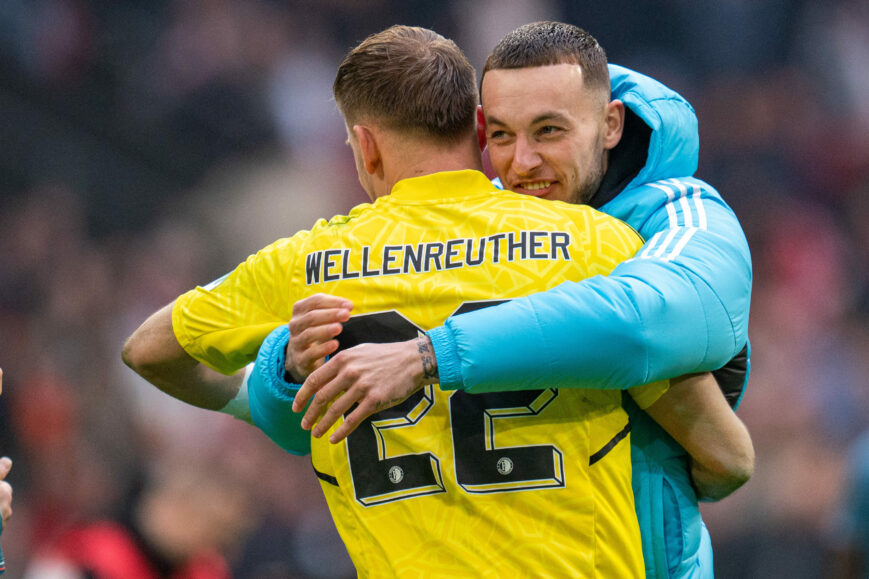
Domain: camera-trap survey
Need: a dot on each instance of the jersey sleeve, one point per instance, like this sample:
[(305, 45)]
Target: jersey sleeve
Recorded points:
[(223, 323), (648, 394), (679, 306)]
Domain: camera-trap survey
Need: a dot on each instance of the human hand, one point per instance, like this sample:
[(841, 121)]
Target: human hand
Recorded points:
[(374, 376), (316, 321), (5, 490)]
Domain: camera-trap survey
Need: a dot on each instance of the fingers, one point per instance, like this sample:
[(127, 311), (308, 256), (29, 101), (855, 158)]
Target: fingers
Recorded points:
[(341, 405), (308, 351), (316, 321), (374, 377), (302, 337), (351, 421), (328, 393), (336, 397), (300, 322), (318, 378), (5, 466), (320, 302)]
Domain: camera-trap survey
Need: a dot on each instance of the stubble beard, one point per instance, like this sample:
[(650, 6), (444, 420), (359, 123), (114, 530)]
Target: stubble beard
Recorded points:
[(589, 186)]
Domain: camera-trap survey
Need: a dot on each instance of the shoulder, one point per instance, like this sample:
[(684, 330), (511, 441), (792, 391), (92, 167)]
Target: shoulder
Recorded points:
[(660, 192), (602, 233), (323, 229), (679, 202), (509, 200), (338, 222), (584, 217)]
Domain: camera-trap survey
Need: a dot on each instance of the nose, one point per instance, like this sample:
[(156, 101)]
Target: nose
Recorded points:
[(526, 158)]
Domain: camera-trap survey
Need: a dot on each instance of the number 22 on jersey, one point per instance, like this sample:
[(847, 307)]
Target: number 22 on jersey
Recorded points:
[(474, 420)]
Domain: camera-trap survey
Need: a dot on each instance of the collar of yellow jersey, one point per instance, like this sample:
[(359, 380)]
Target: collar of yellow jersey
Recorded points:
[(444, 186)]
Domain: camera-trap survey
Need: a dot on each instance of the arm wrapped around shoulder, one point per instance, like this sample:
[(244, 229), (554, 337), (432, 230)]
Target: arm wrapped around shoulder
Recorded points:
[(271, 396)]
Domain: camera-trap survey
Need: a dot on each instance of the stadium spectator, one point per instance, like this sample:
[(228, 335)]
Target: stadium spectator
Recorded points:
[(186, 516)]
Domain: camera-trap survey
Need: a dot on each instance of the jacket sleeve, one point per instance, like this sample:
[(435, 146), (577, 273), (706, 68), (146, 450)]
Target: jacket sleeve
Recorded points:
[(271, 396), (679, 306)]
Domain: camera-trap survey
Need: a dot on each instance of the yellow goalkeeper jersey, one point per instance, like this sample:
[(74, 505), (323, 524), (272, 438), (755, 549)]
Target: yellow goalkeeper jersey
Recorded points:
[(449, 484)]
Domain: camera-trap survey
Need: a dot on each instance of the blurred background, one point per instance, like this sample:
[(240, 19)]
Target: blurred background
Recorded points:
[(147, 147)]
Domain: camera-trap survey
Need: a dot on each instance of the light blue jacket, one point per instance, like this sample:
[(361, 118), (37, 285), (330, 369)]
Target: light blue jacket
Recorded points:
[(679, 306)]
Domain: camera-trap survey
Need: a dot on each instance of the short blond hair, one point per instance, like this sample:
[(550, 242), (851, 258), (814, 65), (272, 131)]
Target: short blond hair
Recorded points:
[(410, 79)]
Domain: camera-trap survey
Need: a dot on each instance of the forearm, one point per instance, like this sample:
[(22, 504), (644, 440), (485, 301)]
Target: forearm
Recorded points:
[(154, 353), (604, 332), (680, 306), (722, 457), (695, 413), (712, 486)]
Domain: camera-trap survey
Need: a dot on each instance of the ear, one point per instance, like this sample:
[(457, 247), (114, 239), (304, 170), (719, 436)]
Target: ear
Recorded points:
[(481, 127), (615, 123), (369, 148)]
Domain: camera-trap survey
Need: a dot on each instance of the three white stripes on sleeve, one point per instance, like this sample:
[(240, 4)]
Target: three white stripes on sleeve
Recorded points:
[(667, 245)]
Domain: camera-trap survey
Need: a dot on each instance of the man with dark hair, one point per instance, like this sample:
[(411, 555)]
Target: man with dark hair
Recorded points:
[(679, 307), (527, 481), (555, 52)]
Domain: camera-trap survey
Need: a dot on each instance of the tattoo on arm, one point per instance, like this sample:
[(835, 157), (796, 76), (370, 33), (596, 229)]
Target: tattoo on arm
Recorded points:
[(388, 404), (427, 357)]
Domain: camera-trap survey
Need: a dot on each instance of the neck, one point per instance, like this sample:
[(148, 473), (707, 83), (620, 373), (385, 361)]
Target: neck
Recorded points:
[(426, 159)]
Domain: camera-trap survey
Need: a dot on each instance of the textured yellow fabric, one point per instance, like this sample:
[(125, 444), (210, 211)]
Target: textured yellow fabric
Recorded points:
[(448, 483), (648, 394)]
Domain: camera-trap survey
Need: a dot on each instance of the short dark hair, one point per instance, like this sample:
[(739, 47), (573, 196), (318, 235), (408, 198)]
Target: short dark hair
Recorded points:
[(410, 79), (546, 43)]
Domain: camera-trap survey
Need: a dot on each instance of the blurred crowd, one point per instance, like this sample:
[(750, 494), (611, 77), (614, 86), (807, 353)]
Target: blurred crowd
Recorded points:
[(148, 147)]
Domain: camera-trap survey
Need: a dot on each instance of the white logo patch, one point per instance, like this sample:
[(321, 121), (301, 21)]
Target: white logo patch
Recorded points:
[(396, 475), (504, 466)]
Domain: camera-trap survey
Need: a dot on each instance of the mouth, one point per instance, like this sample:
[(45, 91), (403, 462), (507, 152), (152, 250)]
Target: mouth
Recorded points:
[(534, 188)]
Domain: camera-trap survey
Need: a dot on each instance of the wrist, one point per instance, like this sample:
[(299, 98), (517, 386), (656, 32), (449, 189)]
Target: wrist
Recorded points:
[(291, 374), (428, 360), (239, 406), (446, 354)]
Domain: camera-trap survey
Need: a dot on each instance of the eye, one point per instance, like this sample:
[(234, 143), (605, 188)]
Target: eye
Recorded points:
[(498, 137), (548, 130)]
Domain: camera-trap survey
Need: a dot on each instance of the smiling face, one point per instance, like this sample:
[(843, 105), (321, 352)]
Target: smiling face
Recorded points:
[(548, 135)]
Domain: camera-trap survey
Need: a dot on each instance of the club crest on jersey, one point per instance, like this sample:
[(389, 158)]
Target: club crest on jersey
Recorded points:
[(504, 465), (396, 475)]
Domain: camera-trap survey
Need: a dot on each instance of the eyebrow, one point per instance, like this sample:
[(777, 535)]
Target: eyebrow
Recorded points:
[(549, 116)]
